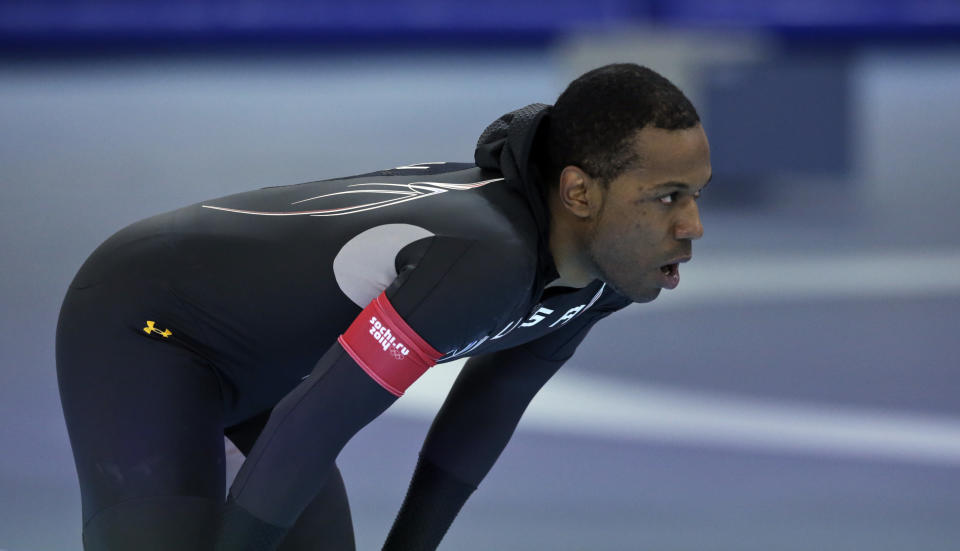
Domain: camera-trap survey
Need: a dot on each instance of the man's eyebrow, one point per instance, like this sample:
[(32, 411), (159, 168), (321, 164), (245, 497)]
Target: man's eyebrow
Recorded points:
[(678, 185), (670, 185)]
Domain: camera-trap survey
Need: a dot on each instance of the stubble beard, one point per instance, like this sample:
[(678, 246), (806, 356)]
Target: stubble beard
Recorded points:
[(601, 258)]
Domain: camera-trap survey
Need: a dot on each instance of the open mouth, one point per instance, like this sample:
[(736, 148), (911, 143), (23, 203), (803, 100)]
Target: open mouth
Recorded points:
[(670, 275)]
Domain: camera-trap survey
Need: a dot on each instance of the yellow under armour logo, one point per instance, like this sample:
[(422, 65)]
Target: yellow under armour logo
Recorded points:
[(151, 329)]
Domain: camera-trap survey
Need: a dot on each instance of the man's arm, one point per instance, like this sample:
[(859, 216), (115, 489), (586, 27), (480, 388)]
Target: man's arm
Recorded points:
[(389, 345), (471, 430), (288, 464)]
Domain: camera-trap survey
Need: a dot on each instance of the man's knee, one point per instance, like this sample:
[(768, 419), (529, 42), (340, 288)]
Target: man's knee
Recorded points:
[(161, 523)]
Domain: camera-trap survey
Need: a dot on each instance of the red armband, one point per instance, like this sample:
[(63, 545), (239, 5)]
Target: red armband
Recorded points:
[(386, 347)]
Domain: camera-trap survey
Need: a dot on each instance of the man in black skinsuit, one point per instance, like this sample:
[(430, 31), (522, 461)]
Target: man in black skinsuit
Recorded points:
[(289, 317)]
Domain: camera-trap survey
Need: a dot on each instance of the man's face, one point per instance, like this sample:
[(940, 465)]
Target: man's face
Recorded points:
[(648, 216)]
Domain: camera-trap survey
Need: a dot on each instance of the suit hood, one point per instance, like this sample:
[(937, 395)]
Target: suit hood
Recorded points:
[(506, 146)]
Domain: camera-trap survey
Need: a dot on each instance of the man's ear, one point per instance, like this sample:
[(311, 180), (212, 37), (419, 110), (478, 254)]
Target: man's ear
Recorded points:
[(578, 192)]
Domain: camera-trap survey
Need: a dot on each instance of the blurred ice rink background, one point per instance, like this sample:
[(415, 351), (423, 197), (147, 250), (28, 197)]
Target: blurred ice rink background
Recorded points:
[(798, 391)]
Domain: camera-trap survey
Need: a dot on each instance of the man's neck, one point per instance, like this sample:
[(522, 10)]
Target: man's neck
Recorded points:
[(567, 252)]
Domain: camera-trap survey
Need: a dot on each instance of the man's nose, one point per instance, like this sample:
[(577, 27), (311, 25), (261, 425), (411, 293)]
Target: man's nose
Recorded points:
[(688, 225)]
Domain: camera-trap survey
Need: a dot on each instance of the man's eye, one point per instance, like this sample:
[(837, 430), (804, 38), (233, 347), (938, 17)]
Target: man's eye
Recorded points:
[(669, 199)]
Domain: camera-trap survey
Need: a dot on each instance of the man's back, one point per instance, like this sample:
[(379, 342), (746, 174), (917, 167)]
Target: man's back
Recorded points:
[(261, 283)]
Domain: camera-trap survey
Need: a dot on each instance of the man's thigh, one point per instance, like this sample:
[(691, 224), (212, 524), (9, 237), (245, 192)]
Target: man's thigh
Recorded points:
[(145, 420)]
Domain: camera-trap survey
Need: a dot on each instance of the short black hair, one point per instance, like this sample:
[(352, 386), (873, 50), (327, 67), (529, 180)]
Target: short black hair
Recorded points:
[(594, 121)]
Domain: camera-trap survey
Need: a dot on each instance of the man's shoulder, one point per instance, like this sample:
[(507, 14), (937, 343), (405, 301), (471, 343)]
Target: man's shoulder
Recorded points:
[(499, 267), (449, 199)]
